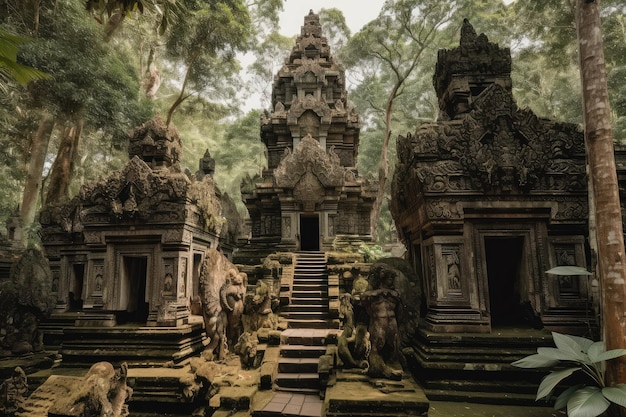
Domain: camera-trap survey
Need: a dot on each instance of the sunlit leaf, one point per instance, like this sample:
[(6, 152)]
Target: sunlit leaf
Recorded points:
[(611, 354), (587, 402), (577, 346), (616, 394), (558, 354), (552, 380), (595, 350), (535, 361), (563, 398)]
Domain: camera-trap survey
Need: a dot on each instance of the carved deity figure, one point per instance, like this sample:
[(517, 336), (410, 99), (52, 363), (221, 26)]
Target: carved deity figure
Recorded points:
[(353, 347), (246, 349), (454, 273), (25, 299), (346, 311), (258, 309), (102, 392), (382, 305), (13, 392), (231, 295)]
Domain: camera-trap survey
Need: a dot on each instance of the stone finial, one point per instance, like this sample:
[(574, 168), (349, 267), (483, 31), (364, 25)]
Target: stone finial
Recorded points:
[(312, 25), (206, 164), (468, 34), (156, 144)]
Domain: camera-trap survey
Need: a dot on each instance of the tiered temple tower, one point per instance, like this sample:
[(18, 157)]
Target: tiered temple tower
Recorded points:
[(310, 192), (489, 198)]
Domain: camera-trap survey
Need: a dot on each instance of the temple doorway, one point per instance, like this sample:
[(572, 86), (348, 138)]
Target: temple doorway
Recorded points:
[(133, 290), (309, 232), (75, 296), (503, 256)]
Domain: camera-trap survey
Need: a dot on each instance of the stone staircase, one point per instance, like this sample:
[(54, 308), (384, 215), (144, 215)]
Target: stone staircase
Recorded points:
[(477, 367), (303, 363), (304, 342), (300, 353), (308, 304)]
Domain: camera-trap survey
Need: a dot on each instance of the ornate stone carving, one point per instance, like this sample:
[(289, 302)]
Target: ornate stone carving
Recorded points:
[(311, 136), (155, 143), (101, 392), (24, 300), (309, 157)]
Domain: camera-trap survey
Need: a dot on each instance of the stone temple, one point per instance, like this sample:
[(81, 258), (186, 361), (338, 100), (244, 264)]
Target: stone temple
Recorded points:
[(127, 250), (310, 192), (148, 268), (490, 197)]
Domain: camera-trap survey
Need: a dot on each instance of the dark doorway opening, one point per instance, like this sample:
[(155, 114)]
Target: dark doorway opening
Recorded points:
[(134, 288), (76, 287), (504, 261), (309, 232)]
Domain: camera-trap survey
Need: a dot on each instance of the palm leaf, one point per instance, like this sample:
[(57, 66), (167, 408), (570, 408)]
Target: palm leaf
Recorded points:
[(587, 402), (552, 380), (9, 47)]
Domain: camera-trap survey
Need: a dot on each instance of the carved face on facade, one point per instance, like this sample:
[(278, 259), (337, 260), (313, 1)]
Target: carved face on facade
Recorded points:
[(168, 282)]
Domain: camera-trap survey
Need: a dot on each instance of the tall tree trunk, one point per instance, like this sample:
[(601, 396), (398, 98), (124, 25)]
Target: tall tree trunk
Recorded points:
[(181, 96), (383, 167), (601, 157), (32, 185), (63, 166)]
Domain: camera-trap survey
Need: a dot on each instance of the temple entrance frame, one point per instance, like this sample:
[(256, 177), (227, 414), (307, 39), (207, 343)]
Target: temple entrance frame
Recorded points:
[(310, 232)]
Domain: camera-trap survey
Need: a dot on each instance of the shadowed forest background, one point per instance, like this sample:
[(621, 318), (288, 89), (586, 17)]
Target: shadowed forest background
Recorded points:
[(109, 66)]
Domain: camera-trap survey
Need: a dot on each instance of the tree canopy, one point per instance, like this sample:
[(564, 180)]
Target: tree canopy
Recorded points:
[(113, 64)]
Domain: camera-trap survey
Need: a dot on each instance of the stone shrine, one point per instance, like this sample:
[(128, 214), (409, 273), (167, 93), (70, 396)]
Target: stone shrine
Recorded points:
[(490, 197), (310, 192), (127, 250)]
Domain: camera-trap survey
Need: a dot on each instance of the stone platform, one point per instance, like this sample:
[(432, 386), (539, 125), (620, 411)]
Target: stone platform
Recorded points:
[(136, 345), (358, 395)]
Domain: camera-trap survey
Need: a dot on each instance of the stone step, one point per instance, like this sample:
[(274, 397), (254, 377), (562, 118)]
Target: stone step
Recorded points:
[(298, 380), (302, 351), (308, 337), (309, 301), (298, 365), (309, 275), (499, 398), (310, 253), (307, 315), (299, 287), (309, 294), (313, 324), (470, 386), (300, 308)]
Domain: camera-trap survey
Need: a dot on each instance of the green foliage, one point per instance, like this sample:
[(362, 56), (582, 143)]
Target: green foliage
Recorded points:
[(546, 74), (269, 55), (372, 253), (334, 27), (205, 45), (165, 11), (10, 69), (234, 145), (573, 354)]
